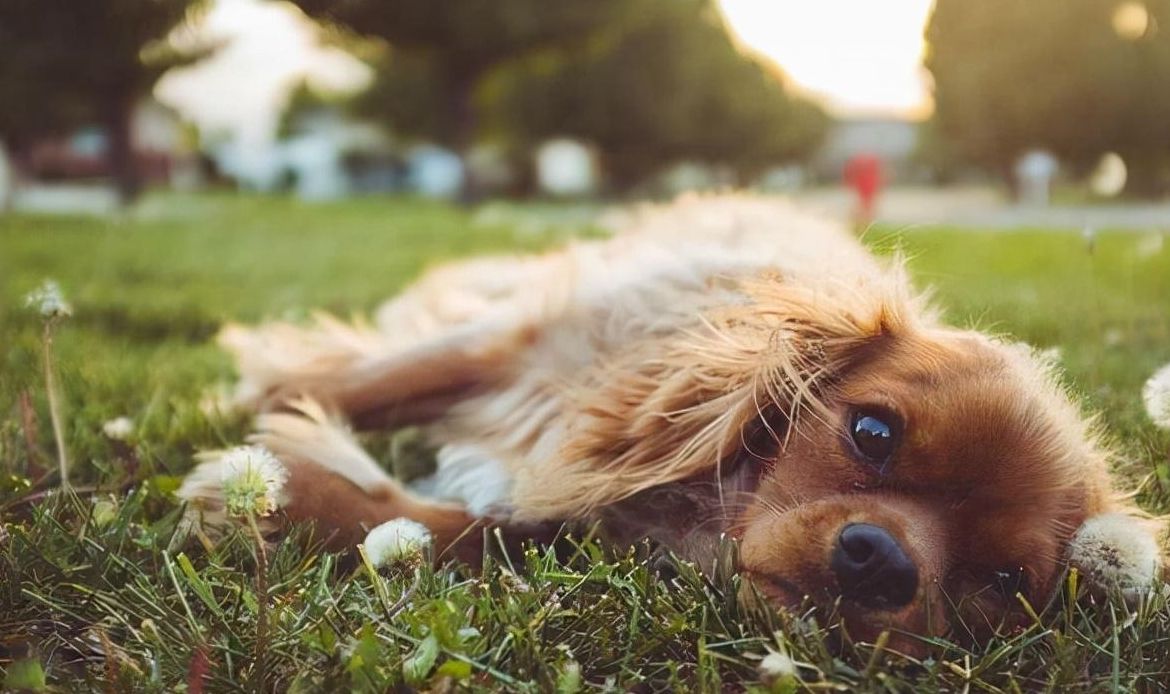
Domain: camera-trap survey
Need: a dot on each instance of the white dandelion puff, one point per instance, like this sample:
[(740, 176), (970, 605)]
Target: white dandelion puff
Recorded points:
[(776, 668), (1089, 235), (48, 301), (1156, 395), (1116, 551), (118, 428), (253, 481), (396, 539)]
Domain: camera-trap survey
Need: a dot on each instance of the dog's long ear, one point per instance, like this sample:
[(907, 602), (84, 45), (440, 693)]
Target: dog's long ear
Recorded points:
[(1118, 550), (674, 407)]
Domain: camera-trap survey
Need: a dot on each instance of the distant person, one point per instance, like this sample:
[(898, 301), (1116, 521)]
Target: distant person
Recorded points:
[(1034, 173), (863, 173)]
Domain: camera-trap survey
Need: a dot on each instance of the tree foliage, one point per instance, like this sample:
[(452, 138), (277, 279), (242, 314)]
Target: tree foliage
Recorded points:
[(1057, 74), (647, 81), (304, 102), (440, 50), (666, 85), (64, 62)]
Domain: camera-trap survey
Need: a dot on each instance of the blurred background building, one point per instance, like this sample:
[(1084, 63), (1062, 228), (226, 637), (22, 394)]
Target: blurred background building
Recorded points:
[(466, 100)]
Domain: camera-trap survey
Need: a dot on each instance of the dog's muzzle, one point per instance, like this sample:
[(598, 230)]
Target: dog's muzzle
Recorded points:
[(872, 569)]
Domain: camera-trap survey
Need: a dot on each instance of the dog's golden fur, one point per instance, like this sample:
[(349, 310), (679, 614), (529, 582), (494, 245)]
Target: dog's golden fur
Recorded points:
[(615, 380)]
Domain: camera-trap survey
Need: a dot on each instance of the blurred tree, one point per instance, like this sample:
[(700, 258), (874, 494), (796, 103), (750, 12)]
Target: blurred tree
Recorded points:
[(940, 155), (648, 81), (440, 51), (668, 84), (304, 102), (64, 62), (1062, 75)]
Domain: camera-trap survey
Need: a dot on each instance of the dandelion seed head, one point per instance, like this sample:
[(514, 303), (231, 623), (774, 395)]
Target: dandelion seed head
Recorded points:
[(1088, 234), (1115, 550), (1156, 396), (253, 481), (118, 428), (48, 301), (105, 511), (776, 667), (396, 539)]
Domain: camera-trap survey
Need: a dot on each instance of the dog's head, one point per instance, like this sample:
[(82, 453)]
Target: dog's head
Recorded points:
[(871, 456), (941, 473)]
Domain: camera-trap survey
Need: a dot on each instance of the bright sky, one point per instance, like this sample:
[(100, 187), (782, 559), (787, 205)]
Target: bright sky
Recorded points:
[(856, 56), (239, 92), (859, 57)]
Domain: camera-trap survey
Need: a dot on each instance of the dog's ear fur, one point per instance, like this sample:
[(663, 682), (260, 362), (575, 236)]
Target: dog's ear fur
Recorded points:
[(675, 408)]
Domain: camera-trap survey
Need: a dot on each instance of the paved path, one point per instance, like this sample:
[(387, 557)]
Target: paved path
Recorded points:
[(977, 208), (987, 209)]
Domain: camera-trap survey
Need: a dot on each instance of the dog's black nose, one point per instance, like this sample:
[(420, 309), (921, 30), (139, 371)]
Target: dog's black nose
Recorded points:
[(872, 568)]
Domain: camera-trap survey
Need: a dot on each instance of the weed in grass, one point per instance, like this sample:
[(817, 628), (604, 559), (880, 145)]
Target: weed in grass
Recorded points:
[(50, 304)]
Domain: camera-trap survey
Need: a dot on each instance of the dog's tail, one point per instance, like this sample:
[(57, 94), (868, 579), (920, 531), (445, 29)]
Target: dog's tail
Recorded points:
[(326, 478)]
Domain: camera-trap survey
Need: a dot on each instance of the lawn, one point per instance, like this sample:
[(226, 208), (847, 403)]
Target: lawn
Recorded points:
[(96, 592)]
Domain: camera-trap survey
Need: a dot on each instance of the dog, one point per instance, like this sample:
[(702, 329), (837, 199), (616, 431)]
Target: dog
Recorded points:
[(723, 367)]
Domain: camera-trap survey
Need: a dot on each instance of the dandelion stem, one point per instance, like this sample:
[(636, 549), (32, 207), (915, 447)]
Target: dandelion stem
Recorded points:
[(393, 610), (262, 605), (55, 406)]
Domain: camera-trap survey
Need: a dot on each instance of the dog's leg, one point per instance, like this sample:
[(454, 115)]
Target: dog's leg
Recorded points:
[(456, 330), (335, 484), (371, 379)]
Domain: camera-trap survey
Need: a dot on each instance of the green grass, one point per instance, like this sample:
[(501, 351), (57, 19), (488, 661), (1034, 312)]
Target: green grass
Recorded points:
[(95, 593)]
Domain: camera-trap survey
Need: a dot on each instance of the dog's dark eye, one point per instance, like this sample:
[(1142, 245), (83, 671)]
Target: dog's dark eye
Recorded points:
[(1010, 581), (759, 448), (876, 433), (761, 437)]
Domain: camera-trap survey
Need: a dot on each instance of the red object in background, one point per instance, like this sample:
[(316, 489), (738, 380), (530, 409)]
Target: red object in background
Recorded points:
[(863, 173), (85, 156)]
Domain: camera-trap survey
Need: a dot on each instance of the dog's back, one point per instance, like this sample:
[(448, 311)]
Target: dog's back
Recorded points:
[(491, 355)]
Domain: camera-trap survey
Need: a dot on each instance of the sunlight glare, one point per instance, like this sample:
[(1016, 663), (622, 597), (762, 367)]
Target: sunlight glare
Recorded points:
[(859, 56), (1131, 20)]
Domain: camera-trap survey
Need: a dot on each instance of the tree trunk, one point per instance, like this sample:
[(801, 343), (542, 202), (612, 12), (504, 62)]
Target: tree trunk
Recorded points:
[(7, 179), (625, 168), (123, 167), (1148, 176), (466, 120)]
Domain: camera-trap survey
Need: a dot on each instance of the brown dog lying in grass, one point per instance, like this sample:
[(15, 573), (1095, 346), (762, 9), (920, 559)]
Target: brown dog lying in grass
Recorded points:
[(726, 366)]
